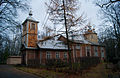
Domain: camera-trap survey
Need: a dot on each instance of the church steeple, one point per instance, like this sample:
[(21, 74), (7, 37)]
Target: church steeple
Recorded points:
[(30, 29)]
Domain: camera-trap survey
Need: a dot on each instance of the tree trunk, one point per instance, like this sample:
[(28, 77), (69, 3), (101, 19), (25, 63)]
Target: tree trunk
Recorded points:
[(68, 45)]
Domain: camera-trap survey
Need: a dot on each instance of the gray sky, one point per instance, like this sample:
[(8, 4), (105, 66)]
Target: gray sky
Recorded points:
[(39, 11)]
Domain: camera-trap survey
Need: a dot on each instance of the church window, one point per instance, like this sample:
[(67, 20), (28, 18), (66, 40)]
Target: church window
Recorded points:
[(96, 51), (48, 55), (65, 54), (88, 51), (78, 46), (57, 55), (102, 52), (32, 26)]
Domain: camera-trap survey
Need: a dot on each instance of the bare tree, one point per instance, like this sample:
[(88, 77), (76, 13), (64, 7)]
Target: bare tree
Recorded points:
[(9, 12), (107, 38), (63, 12), (111, 16), (106, 3), (8, 24)]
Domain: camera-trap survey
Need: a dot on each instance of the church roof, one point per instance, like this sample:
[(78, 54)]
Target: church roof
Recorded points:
[(52, 44), (79, 39)]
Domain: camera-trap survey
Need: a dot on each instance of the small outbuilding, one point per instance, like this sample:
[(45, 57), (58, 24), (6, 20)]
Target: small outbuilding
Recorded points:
[(14, 60)]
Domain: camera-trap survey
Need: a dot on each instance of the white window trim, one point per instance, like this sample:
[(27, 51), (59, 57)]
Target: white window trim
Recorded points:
[(102, 52), (95, 47), (58, 54), (65, 54), (49, 54)]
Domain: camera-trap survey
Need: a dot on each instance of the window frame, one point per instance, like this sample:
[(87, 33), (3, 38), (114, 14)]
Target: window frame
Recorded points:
[(95, 51), (102, 52), (48, 54), (78, 46), (57, 55), (65, 55)]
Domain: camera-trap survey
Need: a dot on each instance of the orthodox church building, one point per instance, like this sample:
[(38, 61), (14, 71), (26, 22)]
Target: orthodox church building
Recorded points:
[(54, 47)]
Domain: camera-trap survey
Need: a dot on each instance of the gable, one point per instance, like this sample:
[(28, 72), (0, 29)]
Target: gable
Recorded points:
[(62, 38)]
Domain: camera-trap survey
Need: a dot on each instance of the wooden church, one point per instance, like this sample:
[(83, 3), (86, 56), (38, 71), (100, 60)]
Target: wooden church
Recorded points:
[(54, 47)]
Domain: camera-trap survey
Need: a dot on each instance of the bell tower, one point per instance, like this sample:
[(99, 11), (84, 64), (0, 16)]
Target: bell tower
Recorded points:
[(30, 29)]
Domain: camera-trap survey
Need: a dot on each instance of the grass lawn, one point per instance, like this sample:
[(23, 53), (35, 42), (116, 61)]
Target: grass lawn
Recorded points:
[(95, 72)]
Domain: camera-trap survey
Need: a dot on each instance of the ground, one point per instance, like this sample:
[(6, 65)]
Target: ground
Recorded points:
[(8, 71), (99, 71)]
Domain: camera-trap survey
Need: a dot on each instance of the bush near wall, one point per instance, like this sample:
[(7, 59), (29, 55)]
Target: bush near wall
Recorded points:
[(33, 63), (49, 63), (86, 62), (56, 63), (80, 63)]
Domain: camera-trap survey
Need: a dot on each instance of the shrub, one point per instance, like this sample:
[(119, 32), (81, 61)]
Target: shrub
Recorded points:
[(56, 63)]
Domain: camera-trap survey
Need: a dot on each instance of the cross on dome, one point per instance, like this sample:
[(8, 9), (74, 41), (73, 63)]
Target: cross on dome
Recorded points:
[(30, 13)]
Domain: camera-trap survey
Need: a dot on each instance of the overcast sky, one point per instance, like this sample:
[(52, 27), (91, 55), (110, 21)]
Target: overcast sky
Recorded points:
[(39, 11)]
